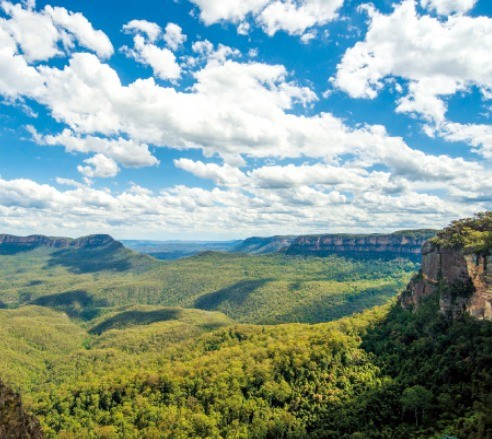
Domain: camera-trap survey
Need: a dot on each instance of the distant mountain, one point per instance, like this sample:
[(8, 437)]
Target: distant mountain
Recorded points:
[(170, 250), (10, 244), (406, 243), (259, 246), (82, 255)]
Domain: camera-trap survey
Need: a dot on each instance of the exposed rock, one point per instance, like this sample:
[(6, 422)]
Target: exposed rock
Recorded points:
[(33, 241), (407, 243), (15, 423), (463, 281)]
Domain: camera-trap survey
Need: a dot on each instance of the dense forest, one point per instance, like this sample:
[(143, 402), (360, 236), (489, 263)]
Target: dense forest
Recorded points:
[(193, 357)]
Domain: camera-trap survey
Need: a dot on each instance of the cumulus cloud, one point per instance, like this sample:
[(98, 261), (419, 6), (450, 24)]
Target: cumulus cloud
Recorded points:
[(447, 7), (222, 175), (52, 31), (151, 30), (251, 115), (173, 36), (477, 135), (292, 16), (25, 204), (127, 152), (437, 58), (99, 166), (162, 61)]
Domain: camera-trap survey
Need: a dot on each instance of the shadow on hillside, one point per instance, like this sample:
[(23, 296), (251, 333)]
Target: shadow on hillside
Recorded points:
[(77, 304), (235, 294), (325, 310), (13, 249), (132, 318), (111, 257)]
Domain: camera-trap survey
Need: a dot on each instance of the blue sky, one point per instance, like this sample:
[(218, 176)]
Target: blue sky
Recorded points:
[(214, 119)]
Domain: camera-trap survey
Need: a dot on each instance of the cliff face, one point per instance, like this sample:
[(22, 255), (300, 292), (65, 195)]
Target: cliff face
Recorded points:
[(14, 422), (463, 281), (24, 243), (398, 243)]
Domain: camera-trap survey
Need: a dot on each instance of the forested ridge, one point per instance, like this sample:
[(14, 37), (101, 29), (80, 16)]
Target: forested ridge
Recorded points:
[(179, 363)]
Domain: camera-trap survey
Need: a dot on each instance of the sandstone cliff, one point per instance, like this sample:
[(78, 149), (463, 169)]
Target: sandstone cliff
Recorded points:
[(10, 243), (15, 423), (405, 243), (457, 270)]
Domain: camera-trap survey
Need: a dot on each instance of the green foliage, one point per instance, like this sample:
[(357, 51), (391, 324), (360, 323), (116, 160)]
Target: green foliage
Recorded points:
[(474, 234), (251, 289)]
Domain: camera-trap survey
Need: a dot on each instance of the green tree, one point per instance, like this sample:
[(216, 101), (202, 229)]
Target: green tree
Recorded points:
[(416, 398)]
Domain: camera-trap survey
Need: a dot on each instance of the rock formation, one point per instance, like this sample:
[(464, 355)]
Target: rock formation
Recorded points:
[(406, 243), (23, 243), (458, 271)]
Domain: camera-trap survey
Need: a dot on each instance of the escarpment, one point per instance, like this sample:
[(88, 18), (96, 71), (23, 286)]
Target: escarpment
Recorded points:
[(12, 243), (457, 268), (407, 243)]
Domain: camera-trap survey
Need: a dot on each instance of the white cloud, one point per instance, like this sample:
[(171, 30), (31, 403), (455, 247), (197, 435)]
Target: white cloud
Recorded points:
[(296, 17), (25, 204), (173, 36), (81, 30), (39, 33), (477, 135), (68, 182), (448, 7), (99, 166), (16, 76), (250, 114), (128, 153), (292, 16), (162, 61), (151, 30), (225, 175), (438, 58)]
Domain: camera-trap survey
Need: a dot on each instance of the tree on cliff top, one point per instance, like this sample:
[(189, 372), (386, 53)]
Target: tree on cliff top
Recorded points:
[(472, 234)]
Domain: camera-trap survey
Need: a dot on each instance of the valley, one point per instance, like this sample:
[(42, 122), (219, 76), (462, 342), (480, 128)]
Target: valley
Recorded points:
[(105, 342)]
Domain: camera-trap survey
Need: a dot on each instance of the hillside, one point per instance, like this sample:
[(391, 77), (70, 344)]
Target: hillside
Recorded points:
[(84, 281), (144, 371), (170, 250)]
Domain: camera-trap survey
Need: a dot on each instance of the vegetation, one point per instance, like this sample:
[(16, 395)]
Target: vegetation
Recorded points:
[(101, 353), (250, 289), (386, 373), (474, 234)]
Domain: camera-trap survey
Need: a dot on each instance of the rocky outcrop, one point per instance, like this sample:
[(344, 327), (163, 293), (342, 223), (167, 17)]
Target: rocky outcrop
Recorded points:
[(23, 243), (461, 280), (15, 423), (406, 243)]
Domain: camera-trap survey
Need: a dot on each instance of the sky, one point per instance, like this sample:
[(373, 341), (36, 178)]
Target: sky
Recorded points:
[(223, 119)]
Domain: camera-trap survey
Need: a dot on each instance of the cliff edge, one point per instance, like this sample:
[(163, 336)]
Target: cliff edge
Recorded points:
[(457, 267)]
